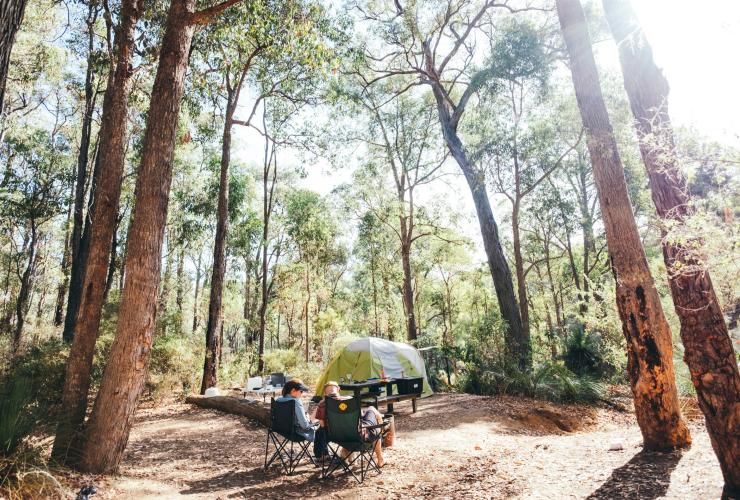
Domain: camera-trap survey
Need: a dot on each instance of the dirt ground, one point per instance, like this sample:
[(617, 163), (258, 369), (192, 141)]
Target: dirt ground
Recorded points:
[(455, 446)]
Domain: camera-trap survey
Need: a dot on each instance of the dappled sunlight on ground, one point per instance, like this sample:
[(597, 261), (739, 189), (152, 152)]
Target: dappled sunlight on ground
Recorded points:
[(455, 446)]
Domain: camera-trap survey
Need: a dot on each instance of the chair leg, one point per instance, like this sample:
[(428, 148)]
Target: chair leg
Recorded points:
[(335, 461), (279, 446)]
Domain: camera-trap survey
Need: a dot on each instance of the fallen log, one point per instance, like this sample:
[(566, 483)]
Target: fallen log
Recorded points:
[(236, 406)]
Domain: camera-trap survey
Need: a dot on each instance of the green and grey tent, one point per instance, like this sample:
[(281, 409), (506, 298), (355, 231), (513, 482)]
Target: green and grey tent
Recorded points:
[(365, 358)]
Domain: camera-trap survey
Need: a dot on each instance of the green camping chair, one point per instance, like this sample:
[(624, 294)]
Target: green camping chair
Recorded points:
[(343, 430), (281, 432)]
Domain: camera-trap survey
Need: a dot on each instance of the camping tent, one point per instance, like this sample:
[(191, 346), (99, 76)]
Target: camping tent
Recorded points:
[(365, 358)]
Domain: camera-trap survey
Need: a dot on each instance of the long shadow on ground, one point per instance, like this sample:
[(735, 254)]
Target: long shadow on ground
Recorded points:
[(646, 476)]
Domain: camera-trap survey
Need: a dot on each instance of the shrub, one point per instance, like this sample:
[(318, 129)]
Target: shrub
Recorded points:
[(30, 393), (175, 365), (550, 381)]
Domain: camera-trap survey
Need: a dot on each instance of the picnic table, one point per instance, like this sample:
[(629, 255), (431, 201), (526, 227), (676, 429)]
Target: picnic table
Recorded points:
[(264, 391), (389, 398)]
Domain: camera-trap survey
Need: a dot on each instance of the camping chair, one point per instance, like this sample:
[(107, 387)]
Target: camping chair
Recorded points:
[(281, 432), (343, 430)]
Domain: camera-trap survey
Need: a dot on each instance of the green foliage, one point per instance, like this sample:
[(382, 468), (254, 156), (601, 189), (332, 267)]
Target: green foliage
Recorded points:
[(550, 381), (30, 393), (582, 352), (175, 366), (290, 362)]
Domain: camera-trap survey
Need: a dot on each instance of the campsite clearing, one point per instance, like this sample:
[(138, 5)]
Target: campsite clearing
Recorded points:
[(455, 446)]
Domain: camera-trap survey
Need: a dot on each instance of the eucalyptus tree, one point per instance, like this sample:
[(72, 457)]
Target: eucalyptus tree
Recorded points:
[(103, 216), (32, 193), (95, 61), (434, 42), (399, 138), (648, 335), (516, 132), (11, 16), (112, 416), (708, 346), (312, 232), (276, 48)]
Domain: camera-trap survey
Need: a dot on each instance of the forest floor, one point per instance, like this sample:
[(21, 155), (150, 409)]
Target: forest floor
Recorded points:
[(455, 446)]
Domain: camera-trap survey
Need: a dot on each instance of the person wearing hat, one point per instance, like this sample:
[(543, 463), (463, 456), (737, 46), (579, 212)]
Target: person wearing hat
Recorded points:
[(370, 416), (292, 391)]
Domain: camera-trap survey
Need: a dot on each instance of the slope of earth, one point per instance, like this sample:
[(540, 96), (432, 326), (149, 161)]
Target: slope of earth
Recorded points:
[(455, 446)]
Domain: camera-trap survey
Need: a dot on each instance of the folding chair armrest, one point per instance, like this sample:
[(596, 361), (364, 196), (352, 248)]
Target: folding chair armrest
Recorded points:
[(376, 426)]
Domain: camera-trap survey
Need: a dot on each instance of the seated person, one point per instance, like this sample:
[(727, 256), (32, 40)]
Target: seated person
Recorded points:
[(369, 416), (331, 390), (292, 391)]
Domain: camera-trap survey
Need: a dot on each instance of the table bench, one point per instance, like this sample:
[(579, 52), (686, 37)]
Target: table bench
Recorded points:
[(408, 389), (394, 398)]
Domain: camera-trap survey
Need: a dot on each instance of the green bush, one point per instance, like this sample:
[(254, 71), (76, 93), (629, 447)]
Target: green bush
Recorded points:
[(175, 366), (30, 393), (550, 381), (291, 362)]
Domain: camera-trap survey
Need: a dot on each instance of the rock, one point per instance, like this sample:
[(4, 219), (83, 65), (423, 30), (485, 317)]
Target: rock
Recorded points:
[(616, 444)]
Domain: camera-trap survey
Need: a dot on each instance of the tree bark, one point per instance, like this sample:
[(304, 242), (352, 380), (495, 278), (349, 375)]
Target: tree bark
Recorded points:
[(123, 379), (22, 303), (649, 348), (79, 248), (408, 292), (215, 307), (267, 208), (11, 16), (196, 291), (517, 339), (305, 308), (164, 292), (113, 262), (180, 285), (519, 266), (255, 410), (64, 284), (708, 347), (103, 217)]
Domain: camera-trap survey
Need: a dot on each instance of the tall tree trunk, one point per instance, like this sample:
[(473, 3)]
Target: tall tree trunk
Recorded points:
[(517, 339), (268, 191), (123, 379), (649, 348), (79, 249), (518, 345), (408, 291), (708, 347), (198, 265), (11, 16), (375, 293), (215, 307), (113, 262), (103, 217), (22, 303), (246, 310), (64, 284), (305, 308), (519, 267), (180, 281), (164, 292)]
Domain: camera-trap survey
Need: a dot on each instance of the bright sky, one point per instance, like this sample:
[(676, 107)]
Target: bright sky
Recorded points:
[(696, 44)]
